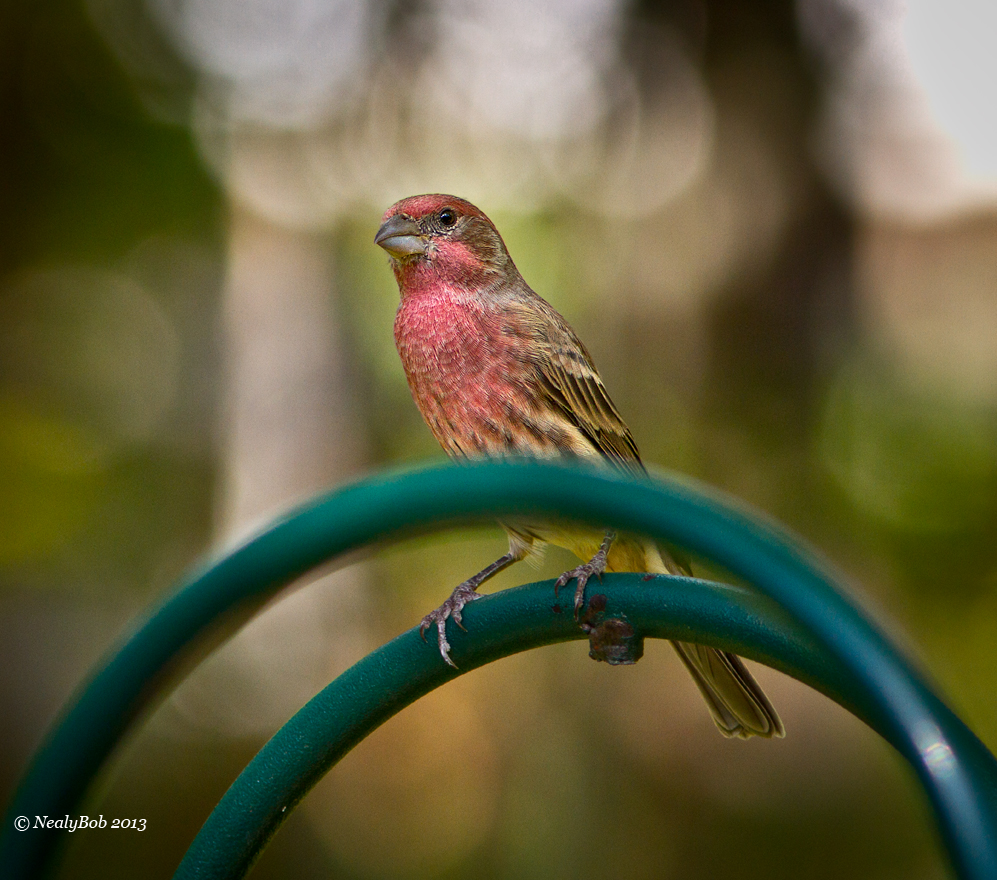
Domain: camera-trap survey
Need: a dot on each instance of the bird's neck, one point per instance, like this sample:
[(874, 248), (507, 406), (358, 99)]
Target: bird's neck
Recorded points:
[(437, 306), (441, 325)]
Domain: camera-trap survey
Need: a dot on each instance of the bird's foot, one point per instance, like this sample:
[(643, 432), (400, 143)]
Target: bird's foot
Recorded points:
[(453, 608), (594, 567)]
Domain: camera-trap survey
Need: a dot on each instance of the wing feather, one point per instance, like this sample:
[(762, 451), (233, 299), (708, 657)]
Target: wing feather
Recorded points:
[(569, 382)]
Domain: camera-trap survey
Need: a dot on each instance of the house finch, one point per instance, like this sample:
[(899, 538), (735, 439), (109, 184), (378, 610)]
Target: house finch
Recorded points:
[(497, 372)]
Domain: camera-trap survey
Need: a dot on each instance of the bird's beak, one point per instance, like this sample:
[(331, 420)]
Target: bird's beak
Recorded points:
[(401, 237)]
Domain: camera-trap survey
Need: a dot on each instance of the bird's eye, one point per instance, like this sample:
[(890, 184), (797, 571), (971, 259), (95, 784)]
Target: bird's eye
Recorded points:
[(448, 218)]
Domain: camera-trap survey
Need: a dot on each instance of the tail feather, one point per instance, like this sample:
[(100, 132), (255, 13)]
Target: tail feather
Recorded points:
[(736, 701), (738, 705)]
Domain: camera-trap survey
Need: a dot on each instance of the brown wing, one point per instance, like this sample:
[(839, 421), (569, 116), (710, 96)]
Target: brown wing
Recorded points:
[(569, 382)]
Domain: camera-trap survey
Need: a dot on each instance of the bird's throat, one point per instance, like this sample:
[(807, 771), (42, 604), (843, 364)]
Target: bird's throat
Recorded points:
[(445, 265)]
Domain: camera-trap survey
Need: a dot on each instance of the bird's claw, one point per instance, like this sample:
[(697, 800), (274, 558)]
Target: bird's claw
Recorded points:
[(594, 567), (452, 608)]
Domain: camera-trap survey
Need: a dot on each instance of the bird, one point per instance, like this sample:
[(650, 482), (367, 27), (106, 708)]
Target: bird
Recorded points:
[(497, 372)]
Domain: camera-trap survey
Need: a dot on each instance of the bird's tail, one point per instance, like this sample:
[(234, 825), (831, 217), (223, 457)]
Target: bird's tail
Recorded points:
[(738, 705)]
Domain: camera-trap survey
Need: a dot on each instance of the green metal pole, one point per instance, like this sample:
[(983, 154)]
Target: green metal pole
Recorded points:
[(397, 674), (953, 767)]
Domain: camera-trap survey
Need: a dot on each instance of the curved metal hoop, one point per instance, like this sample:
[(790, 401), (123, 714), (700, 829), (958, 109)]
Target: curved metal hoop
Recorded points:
[(819, 636)]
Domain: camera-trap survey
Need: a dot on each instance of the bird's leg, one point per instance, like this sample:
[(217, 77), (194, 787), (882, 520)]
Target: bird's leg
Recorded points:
[(466, 592), (595, 566)]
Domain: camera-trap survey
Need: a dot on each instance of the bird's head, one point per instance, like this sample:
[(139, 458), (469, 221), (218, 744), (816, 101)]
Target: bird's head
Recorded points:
[(433, 238)]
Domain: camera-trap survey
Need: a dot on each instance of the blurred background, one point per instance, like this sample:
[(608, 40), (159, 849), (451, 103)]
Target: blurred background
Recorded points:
[(775, 226)]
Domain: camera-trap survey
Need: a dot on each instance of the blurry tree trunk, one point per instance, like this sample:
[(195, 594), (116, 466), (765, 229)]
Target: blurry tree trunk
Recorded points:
[(290, 429), (772, 333)]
